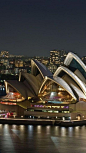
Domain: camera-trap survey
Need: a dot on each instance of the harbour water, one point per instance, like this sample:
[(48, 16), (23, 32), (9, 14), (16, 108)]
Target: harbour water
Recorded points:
[(42, 139)]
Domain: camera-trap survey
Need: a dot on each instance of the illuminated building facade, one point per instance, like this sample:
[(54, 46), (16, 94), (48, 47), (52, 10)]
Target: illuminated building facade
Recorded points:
[(57, 57), (84, 59), (4, 54), (18, 63), (45, 95)]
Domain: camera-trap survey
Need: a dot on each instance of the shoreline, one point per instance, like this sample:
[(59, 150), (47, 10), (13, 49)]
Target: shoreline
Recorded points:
[(42, 122)]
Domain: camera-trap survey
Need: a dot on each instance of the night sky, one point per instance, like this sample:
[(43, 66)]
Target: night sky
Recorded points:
[(34, 27)]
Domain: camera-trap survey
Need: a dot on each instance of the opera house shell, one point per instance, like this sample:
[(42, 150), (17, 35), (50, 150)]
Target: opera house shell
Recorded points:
[(42, 90)]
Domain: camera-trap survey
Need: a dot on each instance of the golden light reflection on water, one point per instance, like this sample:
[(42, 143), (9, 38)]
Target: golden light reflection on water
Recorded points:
[(56, 130), (63, 131), (52, 138), (77, 128), (39, 129), (22, 127), (47, 129), (1, 126)]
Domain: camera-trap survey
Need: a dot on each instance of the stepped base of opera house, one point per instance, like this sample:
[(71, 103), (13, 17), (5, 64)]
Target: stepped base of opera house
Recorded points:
[(58, 111)]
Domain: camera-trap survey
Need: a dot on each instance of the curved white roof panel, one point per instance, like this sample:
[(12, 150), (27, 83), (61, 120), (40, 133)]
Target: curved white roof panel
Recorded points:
[(74, 86), (80, 76), (61, 83), (21, 88), (32, 81), (43, 70), (70, 57), (72, 75)]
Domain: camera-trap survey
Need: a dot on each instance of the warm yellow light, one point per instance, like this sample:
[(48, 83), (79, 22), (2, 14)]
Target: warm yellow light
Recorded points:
[(29, 98), (58, 93)]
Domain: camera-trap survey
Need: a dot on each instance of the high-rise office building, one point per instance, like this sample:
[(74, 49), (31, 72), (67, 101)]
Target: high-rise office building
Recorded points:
[(57, 57), (18, 63)]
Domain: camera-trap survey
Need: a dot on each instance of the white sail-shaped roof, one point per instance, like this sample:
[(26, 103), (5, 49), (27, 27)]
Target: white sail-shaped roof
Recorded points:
[(31, 81), (61, 83), (74, 86), (80, 76), (42, 69), (72, 75), (72, 56), (21, 88)]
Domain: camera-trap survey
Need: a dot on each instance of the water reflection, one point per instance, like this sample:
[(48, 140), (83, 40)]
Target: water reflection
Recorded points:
[(63, 131), (70, 131), (6, 140), (14, 126), (39, 129), (19, 139), (22, 127), (47, 129), (30, 130)]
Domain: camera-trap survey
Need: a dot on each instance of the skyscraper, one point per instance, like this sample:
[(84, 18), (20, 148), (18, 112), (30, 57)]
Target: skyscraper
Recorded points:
[(57, 57)]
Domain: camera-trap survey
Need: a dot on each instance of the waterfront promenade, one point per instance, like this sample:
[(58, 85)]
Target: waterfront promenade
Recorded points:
[(19, 121)]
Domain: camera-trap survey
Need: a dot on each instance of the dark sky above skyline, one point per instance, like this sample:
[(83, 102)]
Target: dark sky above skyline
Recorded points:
[(34, 27)]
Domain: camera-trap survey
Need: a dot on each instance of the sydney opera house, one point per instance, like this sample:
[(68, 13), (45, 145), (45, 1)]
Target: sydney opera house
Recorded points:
[(41, 94)]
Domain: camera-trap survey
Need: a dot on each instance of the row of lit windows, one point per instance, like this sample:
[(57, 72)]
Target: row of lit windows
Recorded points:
[(44, 106), (48, 111), (2, 88)]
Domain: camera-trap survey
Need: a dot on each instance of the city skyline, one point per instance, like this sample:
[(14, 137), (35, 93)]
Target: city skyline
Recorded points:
[(34, 27)]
